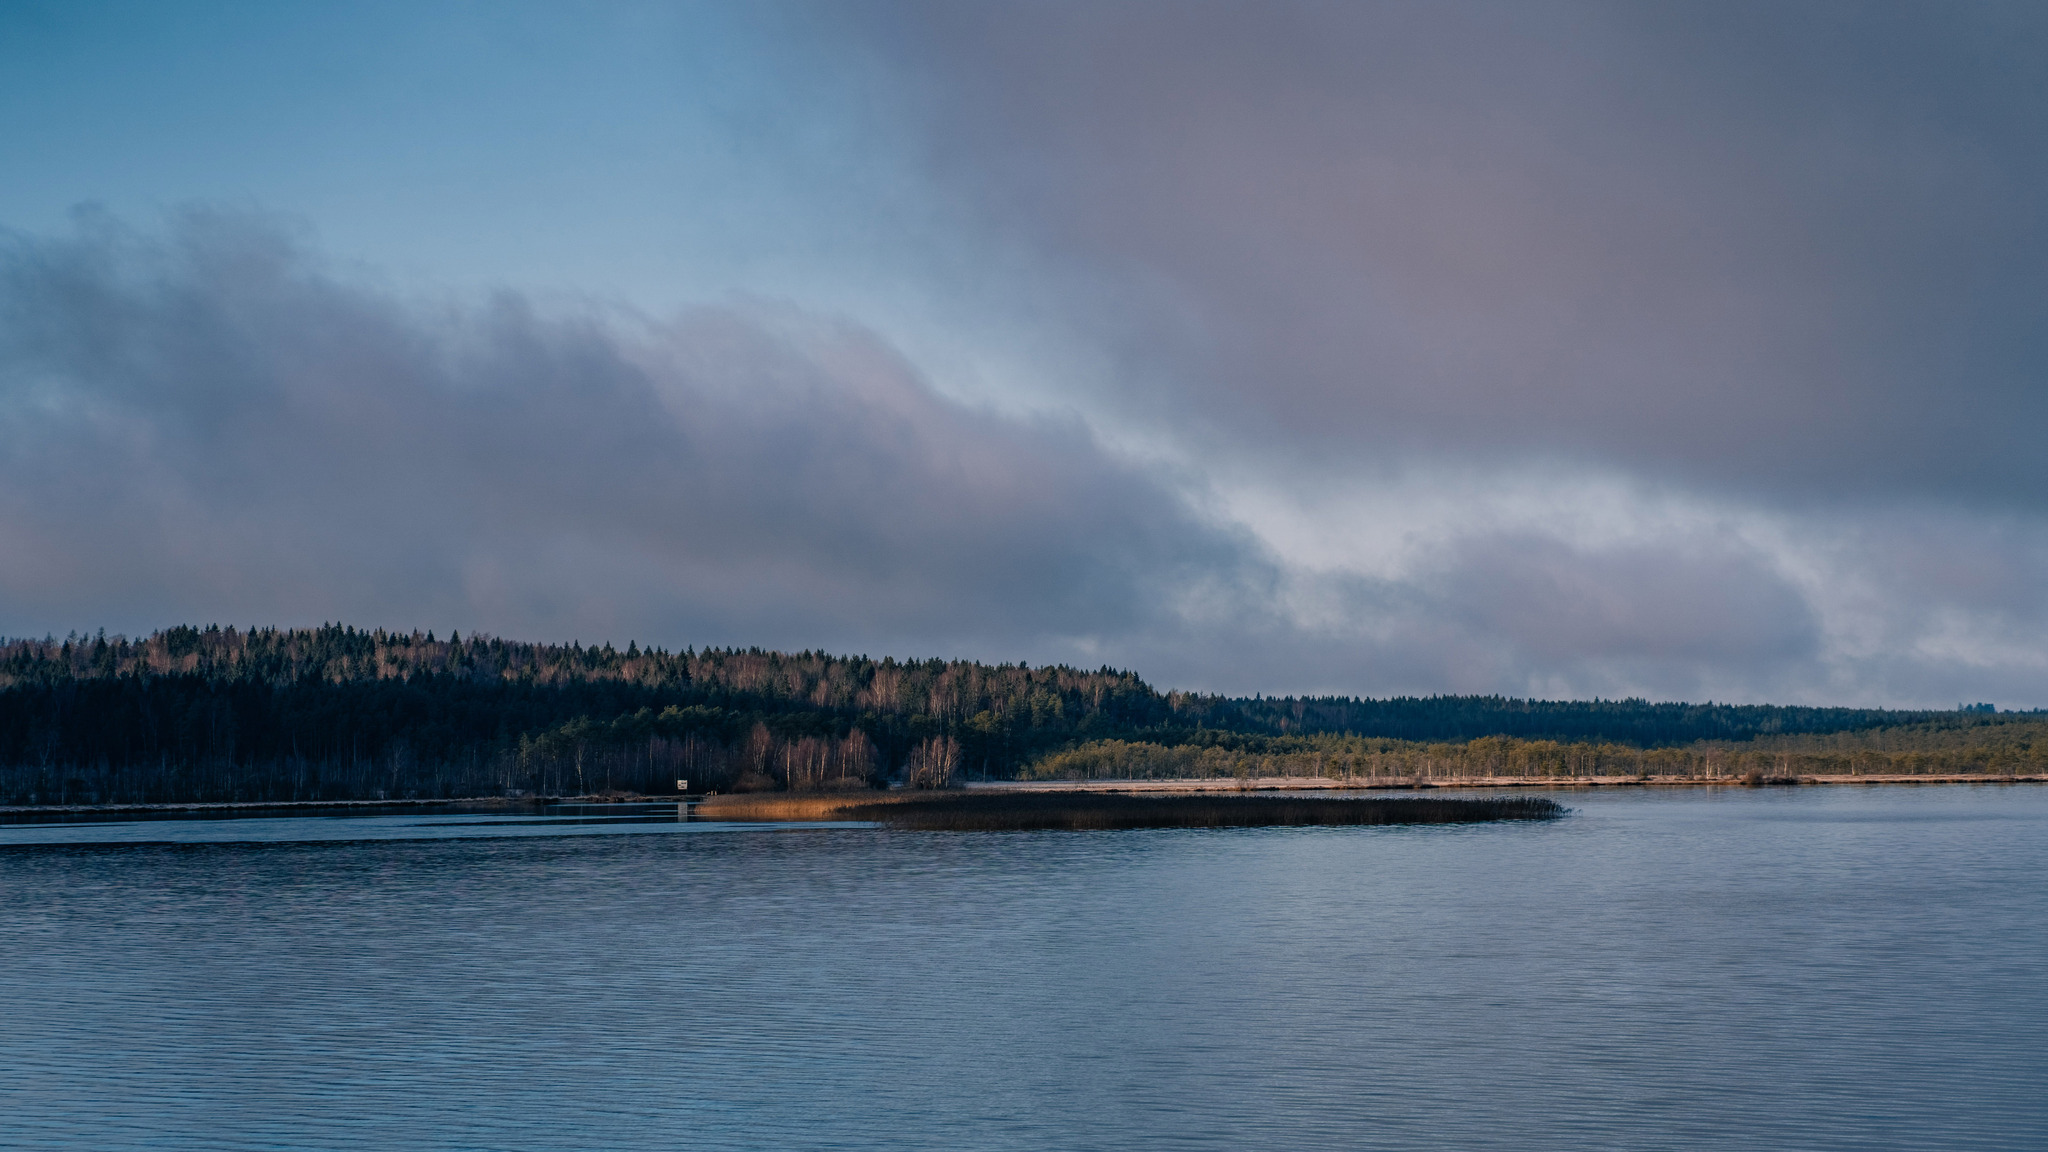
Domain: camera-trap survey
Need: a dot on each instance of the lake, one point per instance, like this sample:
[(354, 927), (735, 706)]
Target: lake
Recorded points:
[(1806, 968)]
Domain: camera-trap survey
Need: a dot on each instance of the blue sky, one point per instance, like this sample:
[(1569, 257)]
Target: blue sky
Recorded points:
[(656, 153), (1548, 349)]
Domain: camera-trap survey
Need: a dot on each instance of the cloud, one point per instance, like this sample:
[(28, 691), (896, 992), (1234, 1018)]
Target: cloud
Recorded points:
[(1524, 612), (1791, 254), (214, 425), (212, 422)]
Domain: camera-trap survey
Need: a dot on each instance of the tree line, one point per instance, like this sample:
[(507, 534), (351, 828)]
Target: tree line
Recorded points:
[(191, 714), (1636, 722), (2015, 750)]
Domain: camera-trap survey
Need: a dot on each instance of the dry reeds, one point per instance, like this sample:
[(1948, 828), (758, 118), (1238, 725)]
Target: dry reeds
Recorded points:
[(990, 811)]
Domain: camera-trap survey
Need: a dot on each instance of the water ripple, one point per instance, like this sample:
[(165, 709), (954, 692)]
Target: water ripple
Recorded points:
[(1812, 968)]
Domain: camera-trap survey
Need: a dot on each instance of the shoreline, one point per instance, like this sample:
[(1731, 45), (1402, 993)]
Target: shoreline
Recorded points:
[(280, 805), (1227, 784), (1378, 784)]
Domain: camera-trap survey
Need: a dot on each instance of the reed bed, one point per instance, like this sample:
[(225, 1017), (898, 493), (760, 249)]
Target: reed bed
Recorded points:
[(793, 805), (992, 811)]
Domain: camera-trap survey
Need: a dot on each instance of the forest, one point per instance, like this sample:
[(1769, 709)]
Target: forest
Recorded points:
[(220, 714), (2006, 746)]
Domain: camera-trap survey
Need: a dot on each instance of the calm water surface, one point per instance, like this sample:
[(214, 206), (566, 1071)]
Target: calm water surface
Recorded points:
[(1796, 968)]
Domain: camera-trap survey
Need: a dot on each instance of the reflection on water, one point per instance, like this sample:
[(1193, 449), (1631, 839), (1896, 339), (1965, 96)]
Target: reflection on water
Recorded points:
[(281, 826), (1798, 968)]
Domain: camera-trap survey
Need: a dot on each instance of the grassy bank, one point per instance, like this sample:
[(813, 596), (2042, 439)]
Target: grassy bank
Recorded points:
[(1997, 746), (1001, 810), (789, 805)]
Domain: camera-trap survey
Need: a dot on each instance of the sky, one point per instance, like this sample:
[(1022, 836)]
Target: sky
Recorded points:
[(1682, 350)]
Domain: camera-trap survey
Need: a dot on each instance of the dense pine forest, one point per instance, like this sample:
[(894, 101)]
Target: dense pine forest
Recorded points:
[(220, 714)]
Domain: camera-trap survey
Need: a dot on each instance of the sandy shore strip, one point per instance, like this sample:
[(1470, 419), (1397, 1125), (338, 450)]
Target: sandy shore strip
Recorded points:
[(830, 806), (968, 808), (821, 805), (1365, 784)]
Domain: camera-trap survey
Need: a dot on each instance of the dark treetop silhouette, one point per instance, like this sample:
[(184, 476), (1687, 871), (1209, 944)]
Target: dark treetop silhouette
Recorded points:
[(220, 714)]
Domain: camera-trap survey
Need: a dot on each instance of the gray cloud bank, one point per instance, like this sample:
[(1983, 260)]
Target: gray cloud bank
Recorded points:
[(211, 423), (1790, 252)]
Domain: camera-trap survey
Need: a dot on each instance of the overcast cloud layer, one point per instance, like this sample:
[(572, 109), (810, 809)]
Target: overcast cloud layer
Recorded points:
[(1557, 350), (1788, 250)]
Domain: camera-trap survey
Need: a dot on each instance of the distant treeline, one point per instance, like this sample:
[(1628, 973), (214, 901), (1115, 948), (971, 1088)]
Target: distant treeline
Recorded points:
[(1634, 722), (2018, 747), (340, 713)]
